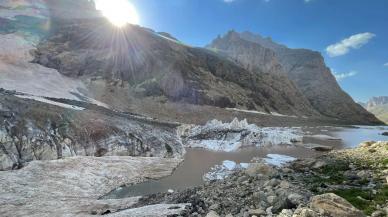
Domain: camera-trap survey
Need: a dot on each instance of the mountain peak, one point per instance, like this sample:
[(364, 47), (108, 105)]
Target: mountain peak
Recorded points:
[(303, 68)]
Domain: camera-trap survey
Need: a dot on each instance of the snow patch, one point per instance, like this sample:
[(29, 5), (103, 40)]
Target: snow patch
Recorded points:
[(17, 73), (44, 100), (278, 159), (218, 136), (219, 172), (262, 113)]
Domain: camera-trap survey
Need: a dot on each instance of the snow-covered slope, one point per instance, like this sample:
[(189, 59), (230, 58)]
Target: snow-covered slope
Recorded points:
[(19, 74)]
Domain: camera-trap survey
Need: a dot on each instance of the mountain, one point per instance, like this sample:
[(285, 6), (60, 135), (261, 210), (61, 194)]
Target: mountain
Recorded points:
[(377, 101), (66, 81), (379, 107), (45, 115), (138, 61), (305, 68)]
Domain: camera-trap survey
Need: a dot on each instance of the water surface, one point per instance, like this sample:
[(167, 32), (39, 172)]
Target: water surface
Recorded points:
[(199, 161)]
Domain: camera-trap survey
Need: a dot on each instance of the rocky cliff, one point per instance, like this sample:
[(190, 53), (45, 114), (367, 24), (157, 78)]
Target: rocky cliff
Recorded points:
[(303, 67)]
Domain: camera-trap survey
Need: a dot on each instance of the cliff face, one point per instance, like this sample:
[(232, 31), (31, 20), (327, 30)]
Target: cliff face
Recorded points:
[(303, 67), (135, 58), (250, 55)]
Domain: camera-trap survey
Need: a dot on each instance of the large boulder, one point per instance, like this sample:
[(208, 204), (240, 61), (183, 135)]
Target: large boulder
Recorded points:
[(259, 168), (332, 205)]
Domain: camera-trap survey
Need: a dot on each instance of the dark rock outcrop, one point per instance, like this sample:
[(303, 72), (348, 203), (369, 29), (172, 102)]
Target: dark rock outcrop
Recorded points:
[(304, 67)]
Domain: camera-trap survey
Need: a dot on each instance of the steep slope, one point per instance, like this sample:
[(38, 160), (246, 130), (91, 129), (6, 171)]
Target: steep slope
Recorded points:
[(142, 62), (304, 67)]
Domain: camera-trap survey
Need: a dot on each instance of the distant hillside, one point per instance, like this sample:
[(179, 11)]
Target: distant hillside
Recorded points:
[(379, 107), (381, 112)]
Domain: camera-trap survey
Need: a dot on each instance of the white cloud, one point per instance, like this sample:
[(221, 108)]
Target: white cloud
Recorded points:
[(353, 42), (342, 76), (229, 1), (307, 1), (386, 64)]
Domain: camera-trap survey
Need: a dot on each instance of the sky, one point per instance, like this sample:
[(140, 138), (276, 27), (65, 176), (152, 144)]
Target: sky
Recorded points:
[(352, 35)]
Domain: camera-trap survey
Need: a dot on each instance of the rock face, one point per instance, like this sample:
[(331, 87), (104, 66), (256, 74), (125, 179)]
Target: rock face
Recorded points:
[(73, 186), (146, 64), (32, 130), (304, 67)]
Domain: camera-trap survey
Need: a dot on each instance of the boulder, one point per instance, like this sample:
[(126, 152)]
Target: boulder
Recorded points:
[(304, 212), (295, 199), (332, 205), (317, 147), (212, 214), (319, 164), (256, 212), (366, 144), (259, 168), (285, 213)]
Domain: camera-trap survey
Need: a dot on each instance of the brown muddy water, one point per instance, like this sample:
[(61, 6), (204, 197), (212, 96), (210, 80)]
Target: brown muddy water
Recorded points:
[(199, 161)]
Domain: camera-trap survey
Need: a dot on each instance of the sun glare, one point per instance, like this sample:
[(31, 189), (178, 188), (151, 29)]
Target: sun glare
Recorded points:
[(118, 12)]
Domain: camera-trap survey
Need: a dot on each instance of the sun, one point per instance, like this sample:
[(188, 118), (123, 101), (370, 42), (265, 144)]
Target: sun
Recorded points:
[(118, 12)]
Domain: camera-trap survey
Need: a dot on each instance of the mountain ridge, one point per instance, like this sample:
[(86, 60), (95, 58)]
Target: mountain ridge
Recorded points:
[(155, 66), (378, 106), (305, 68)]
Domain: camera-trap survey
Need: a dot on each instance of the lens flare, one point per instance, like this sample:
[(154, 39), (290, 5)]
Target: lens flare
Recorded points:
[(118, 12)]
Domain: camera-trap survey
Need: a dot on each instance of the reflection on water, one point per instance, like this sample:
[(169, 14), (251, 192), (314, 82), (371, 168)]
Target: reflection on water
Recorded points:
[(198, 162), (352, 137)]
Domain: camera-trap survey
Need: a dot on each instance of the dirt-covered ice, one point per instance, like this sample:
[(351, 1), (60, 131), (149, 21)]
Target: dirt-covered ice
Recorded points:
[(218, 136)]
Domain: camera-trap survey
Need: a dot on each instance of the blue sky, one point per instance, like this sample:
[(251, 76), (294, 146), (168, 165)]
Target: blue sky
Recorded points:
[(313, 24)]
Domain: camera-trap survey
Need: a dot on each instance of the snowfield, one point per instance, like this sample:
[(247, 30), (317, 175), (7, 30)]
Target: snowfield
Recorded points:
[(17, 73)]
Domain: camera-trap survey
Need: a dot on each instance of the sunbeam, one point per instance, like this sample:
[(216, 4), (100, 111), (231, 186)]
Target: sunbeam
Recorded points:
[(118, 12)]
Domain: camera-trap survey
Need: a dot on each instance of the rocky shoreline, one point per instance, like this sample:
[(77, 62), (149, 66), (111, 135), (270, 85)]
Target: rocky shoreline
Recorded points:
[(352, 182)]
